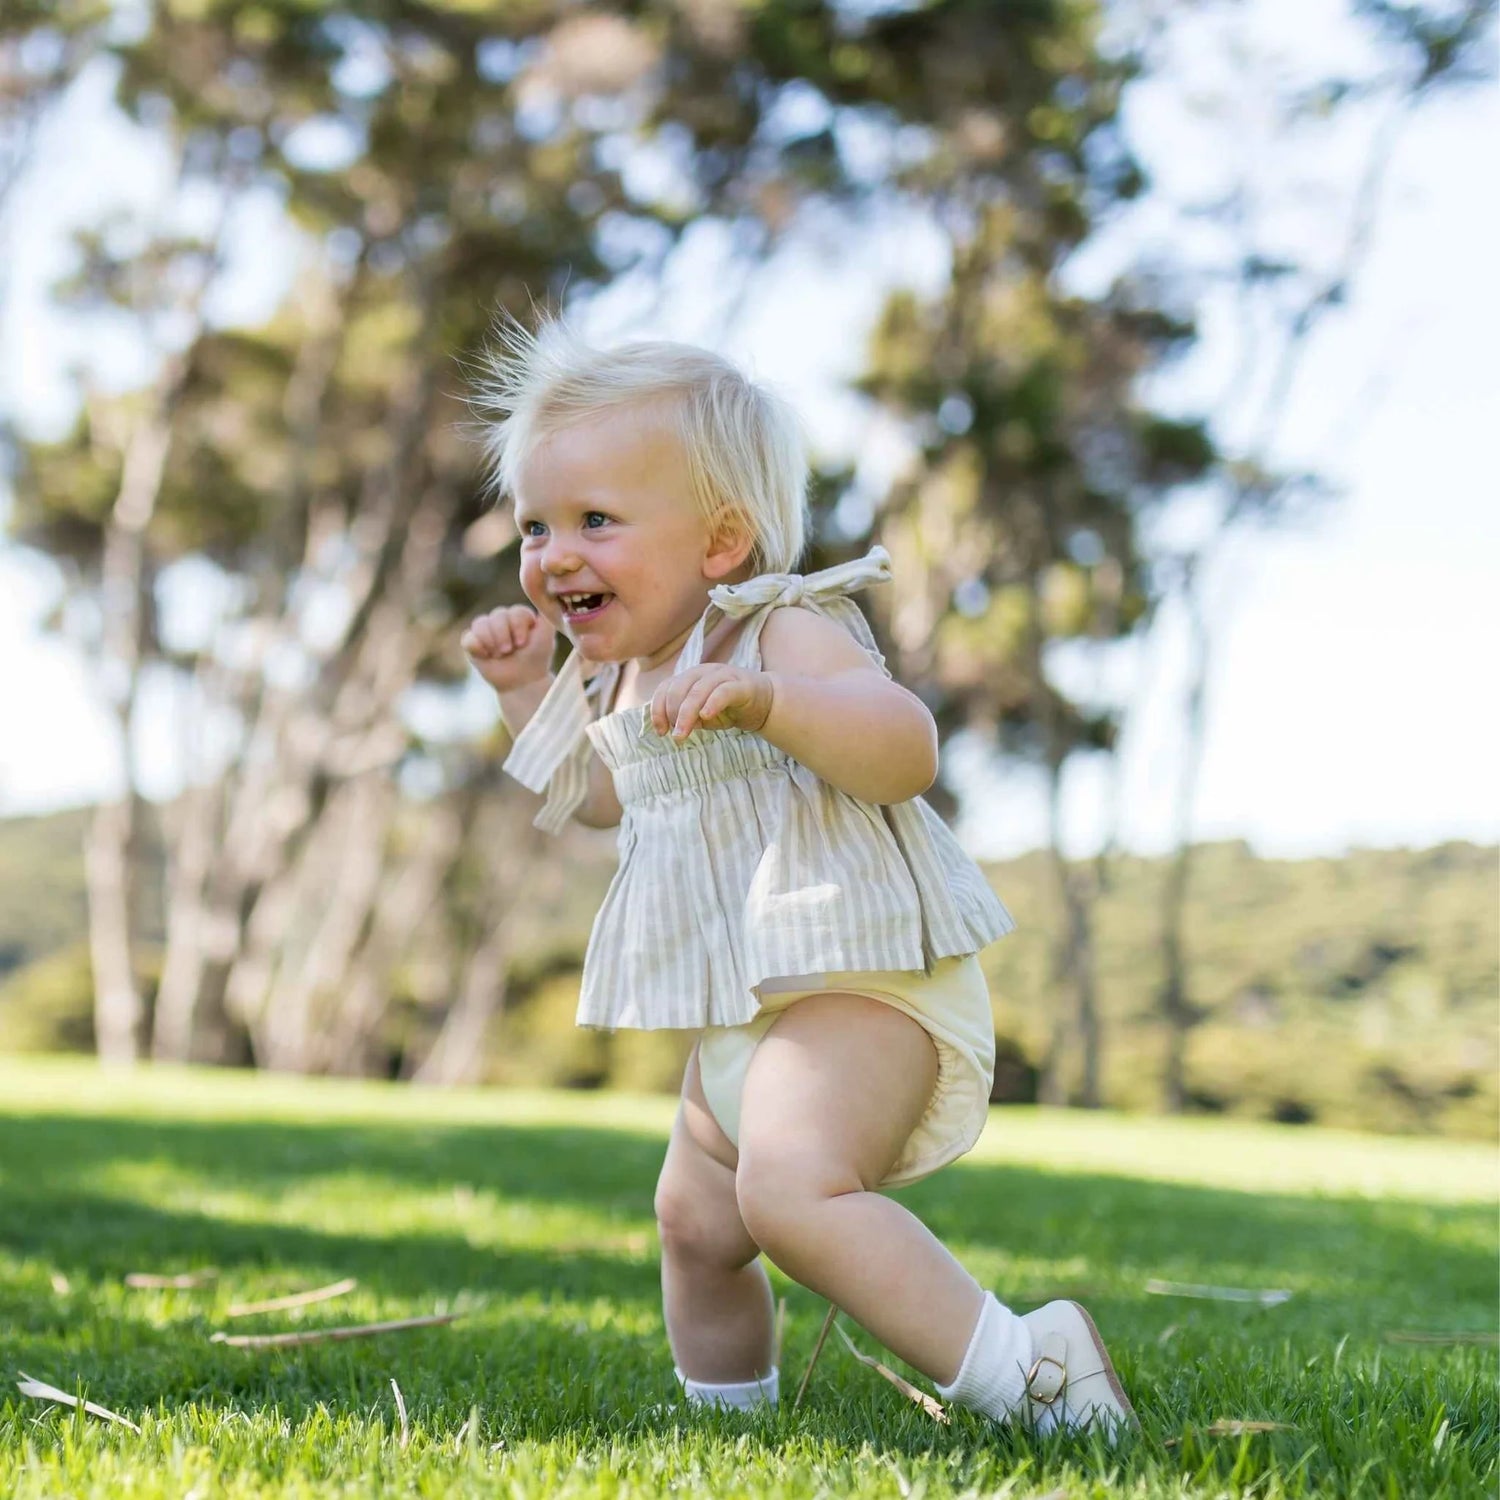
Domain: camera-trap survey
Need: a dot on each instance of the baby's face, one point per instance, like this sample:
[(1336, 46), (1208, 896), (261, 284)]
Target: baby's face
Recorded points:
[(606, 511)]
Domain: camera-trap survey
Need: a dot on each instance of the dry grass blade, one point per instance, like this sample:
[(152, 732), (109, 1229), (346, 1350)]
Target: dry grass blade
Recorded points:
[(1234, 1427), (297, 1299), (1416, 1336), (933, 1408), (1166, 1334), (780, 1330), (833, 1312), (322, 1335), (150, 1281), (29, 1385), (1265, 1296), (401, 1412)]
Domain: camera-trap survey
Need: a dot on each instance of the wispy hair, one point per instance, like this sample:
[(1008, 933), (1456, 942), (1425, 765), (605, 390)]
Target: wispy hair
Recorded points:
[(743, 443)]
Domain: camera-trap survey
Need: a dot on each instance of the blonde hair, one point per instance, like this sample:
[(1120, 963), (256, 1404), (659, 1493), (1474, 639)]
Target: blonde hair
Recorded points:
[(742, 442)]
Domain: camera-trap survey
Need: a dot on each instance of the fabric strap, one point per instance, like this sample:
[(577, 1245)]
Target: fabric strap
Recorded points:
[(552, 752), (824, 590)]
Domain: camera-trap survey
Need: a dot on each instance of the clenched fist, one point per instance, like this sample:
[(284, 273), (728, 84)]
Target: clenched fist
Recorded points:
[(713, 696), (510, 647)]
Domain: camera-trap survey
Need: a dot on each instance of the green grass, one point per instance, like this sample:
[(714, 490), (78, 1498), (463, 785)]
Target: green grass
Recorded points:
[(531, 1212)]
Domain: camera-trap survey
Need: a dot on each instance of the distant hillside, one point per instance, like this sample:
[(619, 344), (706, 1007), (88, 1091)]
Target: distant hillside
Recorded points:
[(1359, 991)]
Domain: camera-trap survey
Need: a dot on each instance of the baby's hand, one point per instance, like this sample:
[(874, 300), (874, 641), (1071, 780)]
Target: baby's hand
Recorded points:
[(510, 647), (713, 696)]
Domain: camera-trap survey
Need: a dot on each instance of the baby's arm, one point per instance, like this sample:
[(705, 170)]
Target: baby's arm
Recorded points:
[(511, 648), (600, 807), (835, 712)]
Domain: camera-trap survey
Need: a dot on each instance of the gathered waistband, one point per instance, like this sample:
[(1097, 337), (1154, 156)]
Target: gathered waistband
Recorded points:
[(692, 767)]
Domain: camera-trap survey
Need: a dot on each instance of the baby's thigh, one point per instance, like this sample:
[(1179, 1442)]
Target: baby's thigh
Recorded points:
[(834, 1091), (697, 1211), (697, 1119)]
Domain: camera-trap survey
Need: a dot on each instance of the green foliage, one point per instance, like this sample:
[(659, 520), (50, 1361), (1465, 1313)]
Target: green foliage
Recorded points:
[(48, 1006), (1356, 991), (531, 1215)]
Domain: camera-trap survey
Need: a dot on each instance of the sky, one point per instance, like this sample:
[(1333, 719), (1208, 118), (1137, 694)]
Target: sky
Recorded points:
[(1349, 706)]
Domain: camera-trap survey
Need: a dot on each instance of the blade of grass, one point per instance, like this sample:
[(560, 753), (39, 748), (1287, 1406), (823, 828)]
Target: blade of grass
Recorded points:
[(932, 1407), (150, 1281), (29, 1385), (297, 1299), (1266, 1296), (401, 1412), (833, 1312), (322, 1335)]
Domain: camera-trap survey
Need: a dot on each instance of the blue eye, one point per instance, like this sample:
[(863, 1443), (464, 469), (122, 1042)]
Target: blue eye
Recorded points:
[(593, 514), (526, 528)]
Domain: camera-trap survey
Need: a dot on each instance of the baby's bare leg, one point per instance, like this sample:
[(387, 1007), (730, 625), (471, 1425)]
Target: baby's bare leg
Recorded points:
[(834, 1090), (715, 1293)]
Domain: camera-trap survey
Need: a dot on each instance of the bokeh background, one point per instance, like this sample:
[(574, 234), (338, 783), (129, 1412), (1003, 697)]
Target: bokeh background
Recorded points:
[(1155, 342)]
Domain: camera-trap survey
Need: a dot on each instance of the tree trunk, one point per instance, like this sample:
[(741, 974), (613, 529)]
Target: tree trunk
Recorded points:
[(108, 857), (335, 885), (191, 826), (1179, 1014), (1073, 970), (528, 876), (111, 867), (457, 1056), (351, 1042), (300, 744)]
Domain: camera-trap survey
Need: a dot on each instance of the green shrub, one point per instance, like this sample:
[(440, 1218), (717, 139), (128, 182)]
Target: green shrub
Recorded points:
[(48, 1006)]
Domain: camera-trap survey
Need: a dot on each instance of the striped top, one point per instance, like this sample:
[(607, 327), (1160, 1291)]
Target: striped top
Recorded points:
[(737, 863)]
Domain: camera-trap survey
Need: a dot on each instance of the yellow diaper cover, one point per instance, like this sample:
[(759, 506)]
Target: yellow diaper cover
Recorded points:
[(952, 1004)]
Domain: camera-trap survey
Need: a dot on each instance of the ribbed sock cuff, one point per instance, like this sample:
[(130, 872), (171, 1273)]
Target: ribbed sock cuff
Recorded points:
[(740, 1396), (992, 1378)]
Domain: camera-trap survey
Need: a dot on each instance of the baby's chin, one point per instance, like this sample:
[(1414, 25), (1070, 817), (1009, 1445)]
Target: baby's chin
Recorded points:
[(594, 651)]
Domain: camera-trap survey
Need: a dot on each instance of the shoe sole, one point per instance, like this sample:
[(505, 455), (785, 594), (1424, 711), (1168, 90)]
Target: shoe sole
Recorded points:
[(1109, 1369)]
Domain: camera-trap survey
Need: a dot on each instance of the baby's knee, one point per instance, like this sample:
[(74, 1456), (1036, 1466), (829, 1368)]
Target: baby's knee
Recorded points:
[(780, 1188), (690, 1229)]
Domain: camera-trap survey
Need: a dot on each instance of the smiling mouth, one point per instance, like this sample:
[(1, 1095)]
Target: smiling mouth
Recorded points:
[(583, 606)]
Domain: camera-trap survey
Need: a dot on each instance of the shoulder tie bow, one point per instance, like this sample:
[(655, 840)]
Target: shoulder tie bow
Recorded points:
[(740, 599)]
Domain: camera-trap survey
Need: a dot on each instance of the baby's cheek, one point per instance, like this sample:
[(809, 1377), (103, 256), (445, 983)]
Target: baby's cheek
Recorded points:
[(534, 585)]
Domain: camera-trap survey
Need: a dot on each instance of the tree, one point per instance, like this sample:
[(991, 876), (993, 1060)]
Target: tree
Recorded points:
[(1280, 301), (441, 163), (1015, 531)]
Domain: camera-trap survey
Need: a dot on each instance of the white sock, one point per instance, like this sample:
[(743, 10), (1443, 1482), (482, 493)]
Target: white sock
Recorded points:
[(992, 1378), (739, 1395)]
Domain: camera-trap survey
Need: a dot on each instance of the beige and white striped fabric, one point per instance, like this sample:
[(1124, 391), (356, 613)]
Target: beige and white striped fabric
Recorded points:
[(737, 863)]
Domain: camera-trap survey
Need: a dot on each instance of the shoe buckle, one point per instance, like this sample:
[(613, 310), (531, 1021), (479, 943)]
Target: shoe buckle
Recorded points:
[(1048, 1376)]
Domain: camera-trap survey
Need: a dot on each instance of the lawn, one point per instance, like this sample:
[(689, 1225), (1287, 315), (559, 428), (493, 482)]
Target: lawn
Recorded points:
[(530, 1215)]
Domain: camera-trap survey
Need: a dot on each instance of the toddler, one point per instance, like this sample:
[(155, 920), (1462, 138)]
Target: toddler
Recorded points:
[(782, 888)]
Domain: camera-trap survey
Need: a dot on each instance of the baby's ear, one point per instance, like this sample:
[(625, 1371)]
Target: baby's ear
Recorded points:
[(730, 543)]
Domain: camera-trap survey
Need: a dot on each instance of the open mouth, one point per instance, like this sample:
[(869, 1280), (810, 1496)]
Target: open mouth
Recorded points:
[(579, 607)]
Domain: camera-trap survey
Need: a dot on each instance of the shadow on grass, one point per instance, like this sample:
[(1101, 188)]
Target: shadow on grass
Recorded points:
[(533, 1350)]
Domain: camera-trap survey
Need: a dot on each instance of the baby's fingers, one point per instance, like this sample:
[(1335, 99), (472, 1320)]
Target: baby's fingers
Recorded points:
[(661, 708), (722, 698), (693, 709)]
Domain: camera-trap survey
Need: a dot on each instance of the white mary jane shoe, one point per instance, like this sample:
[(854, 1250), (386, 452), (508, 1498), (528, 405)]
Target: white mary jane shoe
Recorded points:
[(1071, 1384)]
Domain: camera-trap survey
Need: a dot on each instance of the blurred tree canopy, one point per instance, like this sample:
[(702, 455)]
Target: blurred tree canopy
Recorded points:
[(445, 161)]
